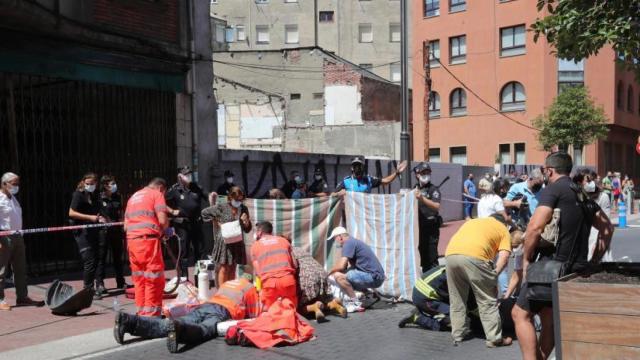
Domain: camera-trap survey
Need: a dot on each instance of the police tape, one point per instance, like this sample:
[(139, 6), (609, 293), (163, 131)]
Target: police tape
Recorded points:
[(472, 200), (58, 228)]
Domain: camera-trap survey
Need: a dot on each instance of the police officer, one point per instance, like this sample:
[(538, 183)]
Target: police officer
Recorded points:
[(223, 189), (184, 200), (318, 187), (358, 181), (428, 196)]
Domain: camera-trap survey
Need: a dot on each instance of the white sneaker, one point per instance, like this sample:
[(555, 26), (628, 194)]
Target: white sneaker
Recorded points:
[(354, 306)]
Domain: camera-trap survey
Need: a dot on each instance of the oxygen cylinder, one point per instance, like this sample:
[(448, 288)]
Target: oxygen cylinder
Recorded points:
[(203, 285)]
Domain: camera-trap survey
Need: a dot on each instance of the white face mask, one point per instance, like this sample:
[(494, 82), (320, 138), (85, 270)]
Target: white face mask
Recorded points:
[(590, 187), (14, 190), (318, 177), (229, 180), (424, 179), (298, 179), (255, 237), (114, 188), (90, 188), (236, 203)]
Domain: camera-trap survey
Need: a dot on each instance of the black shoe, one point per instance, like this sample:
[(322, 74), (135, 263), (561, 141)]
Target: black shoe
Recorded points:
[(122, 285), (172, 337), (120, 327), (409, 319), (100, 290)]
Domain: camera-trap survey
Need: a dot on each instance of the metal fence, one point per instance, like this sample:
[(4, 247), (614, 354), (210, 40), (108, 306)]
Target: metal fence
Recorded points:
[(52, 131)]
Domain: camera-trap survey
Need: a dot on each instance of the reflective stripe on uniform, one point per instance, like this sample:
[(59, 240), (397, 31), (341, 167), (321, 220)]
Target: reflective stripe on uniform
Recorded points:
[(137, 273), (275, 266), (271, 253), (139, 213), (160, 208), (423, 285), (143, 225), (153, 274)]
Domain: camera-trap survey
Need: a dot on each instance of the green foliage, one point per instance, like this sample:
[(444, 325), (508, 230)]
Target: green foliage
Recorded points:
[(580, 28), (572, 119)]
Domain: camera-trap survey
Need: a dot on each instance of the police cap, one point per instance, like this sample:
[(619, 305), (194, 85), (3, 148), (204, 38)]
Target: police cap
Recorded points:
[(185, 170), (357, 159), (422, 167)]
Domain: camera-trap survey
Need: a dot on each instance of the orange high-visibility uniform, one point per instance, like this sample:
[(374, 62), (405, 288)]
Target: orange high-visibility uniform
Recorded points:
[(274, 263), (239, 297), (145, 252)]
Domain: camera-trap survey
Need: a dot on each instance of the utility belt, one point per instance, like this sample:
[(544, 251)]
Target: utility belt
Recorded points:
[(435, 220)]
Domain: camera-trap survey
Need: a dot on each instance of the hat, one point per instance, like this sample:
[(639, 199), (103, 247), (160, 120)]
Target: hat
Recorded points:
[(317, 170), (421, 167), (337, 231), (185, 170), (357, 159), (228, 173)]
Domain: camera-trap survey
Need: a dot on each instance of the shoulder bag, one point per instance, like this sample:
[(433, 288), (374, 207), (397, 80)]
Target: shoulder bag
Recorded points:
[(231, 232)]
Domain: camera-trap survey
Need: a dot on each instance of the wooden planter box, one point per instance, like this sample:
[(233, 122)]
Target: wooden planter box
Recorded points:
[(597, 320)]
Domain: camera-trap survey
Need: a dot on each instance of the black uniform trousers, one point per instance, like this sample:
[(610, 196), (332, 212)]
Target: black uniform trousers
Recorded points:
[(111, 238), (87, 241), (428, 244), (190, 234)]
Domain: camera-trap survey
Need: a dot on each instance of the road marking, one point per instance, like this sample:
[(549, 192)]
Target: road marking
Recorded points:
[(135, 344)]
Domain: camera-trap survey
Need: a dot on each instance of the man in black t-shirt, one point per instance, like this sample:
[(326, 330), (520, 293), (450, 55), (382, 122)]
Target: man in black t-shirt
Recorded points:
[(575, 225)]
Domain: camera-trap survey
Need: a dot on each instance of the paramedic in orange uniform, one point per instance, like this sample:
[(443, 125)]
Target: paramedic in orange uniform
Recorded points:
[(274, 263), (236, 299), (145, 220)]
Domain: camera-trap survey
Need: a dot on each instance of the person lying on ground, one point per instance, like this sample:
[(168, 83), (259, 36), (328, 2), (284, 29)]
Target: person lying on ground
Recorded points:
[(236, 299), (358, 268)]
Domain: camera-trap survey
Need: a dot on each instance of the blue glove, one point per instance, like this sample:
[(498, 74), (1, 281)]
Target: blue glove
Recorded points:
[(169, 232)]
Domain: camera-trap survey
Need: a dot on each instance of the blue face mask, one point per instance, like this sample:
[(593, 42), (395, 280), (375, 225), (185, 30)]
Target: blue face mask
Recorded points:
[(114, 188)]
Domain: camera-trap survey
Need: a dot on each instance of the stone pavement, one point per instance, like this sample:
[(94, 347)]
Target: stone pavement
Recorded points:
[(373, 334)]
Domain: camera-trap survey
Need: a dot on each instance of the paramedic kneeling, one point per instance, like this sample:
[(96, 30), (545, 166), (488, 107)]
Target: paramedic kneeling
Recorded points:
[(364, 271)]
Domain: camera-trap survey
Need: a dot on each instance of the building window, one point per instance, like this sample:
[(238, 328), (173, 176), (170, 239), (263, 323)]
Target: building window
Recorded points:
[(394, 32), (521, 154), (504, 151), (262, 34), (458, 50), (513, 41), (434, 105), (431, 8), (570, 73), (619, 101), (512, 97), (457, 5), (318, 96), (365, 32), (434, 53), (366, 66), (295, 96), (214, 2), (434, 155), (458, 102), (458, 155), (290, 1), (630, 99), (220, 33), (262, 1), (241, 35), (578, 159), (325, 16), (291, 34), (396, 75)]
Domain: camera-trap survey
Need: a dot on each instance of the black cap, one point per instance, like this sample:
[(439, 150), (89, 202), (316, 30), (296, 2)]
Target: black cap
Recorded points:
[(185, 170), (357, 159), (422, 167), (317, 170), (228, 173)]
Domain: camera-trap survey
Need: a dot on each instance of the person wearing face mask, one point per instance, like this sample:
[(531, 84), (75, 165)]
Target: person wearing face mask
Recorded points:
[(428, 196), (358, 181), (318, 187), (469, 189), (184, 200), (223, 190), (294, 182), (529, 190), (84, 210), (12, 251), (228, 256), (274, 263), (110, 237)]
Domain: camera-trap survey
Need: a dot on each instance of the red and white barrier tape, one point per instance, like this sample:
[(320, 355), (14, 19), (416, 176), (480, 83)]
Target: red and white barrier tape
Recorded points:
[(57, 228)]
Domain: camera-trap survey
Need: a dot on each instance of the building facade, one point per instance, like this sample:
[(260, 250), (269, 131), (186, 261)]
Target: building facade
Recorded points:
[(304, 100), (365, 32), (489, 80)]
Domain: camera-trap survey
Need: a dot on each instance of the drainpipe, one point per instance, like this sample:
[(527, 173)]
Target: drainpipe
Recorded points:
[(192, 89), (315, 22)]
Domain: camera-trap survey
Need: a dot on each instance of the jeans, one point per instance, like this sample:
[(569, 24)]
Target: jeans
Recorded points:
[(87, 241), (468, 209), (428, 308), (362, 281)]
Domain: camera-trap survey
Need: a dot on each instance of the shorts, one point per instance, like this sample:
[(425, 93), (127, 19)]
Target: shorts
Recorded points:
[(362, 281), (531, 306)]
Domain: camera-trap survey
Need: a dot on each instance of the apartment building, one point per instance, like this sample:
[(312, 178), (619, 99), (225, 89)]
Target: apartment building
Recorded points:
[(365, 32), (490, 80)]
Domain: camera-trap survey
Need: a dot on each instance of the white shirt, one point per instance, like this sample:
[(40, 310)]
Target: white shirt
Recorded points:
[(10, 213), (489, 204), (605, 203)]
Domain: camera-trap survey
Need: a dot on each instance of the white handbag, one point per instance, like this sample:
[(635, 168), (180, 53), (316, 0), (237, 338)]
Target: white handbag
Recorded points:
[(231, 232)]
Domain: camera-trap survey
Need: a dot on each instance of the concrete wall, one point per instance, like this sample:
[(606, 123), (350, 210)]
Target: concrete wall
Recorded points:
[(259, 171)]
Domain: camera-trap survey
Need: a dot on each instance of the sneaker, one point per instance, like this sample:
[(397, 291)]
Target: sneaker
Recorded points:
[(4, 306), (172, 337), (27, 301), (506, 341), (354, 306), (100, 291)]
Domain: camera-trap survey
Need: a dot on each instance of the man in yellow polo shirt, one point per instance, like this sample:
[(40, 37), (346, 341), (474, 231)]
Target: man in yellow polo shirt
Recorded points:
[(469, 261)]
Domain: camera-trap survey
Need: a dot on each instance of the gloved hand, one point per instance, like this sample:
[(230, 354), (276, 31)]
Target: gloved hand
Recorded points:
[(169, 232)]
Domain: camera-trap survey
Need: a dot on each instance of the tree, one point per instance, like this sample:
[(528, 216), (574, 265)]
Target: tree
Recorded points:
[(580, 28), (572, 119)]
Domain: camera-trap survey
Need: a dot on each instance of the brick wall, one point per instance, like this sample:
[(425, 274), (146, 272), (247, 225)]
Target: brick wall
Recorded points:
[(155, 19), (340, 74), (380, 101)]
